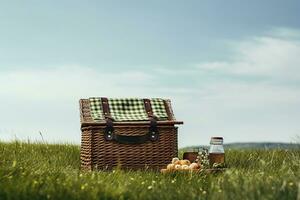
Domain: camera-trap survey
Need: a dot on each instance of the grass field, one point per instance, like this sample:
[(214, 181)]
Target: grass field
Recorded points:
[(42, 171)]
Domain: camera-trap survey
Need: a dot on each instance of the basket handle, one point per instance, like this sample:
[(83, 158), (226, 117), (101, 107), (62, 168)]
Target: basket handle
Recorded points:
[(124, 139), (109, 134), (152, 135)]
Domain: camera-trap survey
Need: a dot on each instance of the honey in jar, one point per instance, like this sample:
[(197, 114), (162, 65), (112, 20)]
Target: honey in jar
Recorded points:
[(216, 151)]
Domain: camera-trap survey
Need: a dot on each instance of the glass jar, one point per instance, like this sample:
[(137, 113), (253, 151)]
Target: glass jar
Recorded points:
[(216, 151), (191, 155)]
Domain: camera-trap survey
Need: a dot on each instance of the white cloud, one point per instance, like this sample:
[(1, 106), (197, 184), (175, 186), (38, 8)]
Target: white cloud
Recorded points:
[(269, 56), (252, 96), (67, 82), (238, 109)]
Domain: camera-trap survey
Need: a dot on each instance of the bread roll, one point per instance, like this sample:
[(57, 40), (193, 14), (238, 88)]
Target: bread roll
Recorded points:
[(170, 167), (174, 160), (177, 162), (184, 167), (178, 167), (185, 162)]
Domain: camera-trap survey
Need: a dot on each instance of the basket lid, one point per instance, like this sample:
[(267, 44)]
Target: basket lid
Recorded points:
[(126, 110)]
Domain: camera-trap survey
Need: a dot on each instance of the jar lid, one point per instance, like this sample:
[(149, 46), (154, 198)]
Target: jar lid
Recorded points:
[(216, 140)]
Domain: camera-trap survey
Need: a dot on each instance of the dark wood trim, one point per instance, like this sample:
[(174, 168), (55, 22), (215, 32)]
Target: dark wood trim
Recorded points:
[(139, 123)]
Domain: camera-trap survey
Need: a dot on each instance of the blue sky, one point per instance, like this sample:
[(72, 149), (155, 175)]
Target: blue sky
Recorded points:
[(230, 67)]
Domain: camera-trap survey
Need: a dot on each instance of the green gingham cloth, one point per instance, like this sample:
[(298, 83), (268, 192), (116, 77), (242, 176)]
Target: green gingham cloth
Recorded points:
[(128, 109)]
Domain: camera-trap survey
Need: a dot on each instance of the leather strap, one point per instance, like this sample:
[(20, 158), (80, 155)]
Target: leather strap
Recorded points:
[(167, 110), (109, 129), (105, 107), (148, 107), (153, 130)]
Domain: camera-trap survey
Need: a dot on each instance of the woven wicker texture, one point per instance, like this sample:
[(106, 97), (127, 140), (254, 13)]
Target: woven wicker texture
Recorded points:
[(97, 153)]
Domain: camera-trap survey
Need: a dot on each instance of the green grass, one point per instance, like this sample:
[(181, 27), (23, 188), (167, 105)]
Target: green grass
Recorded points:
[(43, 171)]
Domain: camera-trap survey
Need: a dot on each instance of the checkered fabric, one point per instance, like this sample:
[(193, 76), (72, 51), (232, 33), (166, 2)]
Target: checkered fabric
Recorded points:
[(127, 109), (96, 108), (158, 108)]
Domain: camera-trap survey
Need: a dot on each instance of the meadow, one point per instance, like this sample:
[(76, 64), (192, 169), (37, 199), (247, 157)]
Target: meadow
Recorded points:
[(52, 171)]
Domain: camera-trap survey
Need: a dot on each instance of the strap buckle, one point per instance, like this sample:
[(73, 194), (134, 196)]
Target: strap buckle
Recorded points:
[(109, 130), (153, 130)]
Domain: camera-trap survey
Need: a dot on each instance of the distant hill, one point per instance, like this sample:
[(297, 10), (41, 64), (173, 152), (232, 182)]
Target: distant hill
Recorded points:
[(262, 145), (254, 145)]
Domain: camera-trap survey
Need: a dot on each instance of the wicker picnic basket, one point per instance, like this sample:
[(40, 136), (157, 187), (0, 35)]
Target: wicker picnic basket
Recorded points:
[(116, 133)]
